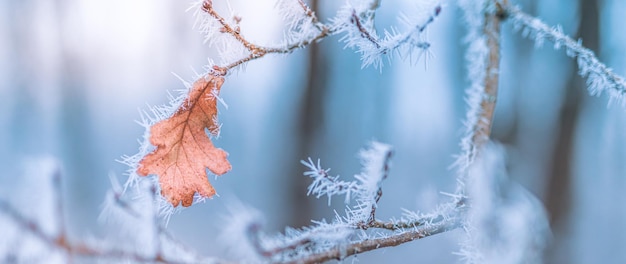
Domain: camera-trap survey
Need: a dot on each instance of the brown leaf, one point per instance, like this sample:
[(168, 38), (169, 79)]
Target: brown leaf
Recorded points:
[(183, 149)]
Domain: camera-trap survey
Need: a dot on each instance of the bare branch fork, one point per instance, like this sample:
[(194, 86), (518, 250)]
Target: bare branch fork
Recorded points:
[(257, 51), (324, 30), (600, 78), (305, 247)]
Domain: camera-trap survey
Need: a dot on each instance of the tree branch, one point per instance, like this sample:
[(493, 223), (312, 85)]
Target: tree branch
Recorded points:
[(600, 78), (483, 65), (448, 217), (342, 251), (305, 246), (491, 29), (257, 51)]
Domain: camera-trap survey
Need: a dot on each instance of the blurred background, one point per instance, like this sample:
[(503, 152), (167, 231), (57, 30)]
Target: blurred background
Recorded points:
[(74, 76)]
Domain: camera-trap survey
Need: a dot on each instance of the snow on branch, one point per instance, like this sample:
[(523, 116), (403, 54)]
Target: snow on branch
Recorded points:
[(325, 184), (600, 78), (304, 28), (367, 189), (355, 232), (482, 19), (357, 22)]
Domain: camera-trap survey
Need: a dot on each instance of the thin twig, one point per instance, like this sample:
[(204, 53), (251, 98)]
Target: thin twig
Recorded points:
[(379, 193), (446, 220), (399, 225), (599, 77), (311, 14), (257, 51), (341, 252), (364, 33), (207, 6), (405, 37)]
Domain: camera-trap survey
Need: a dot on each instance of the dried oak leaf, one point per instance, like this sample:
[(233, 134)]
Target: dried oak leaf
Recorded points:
[(183, 149)]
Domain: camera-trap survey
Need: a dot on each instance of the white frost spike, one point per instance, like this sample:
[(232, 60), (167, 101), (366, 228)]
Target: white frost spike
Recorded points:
[(506, 223), (301, 26), (476, 58), (600, 78), (356, 20), (324, 184), (204, 23), (375, 163)]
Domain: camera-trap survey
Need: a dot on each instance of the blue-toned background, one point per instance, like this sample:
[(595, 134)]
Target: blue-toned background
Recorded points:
[(75, 74)]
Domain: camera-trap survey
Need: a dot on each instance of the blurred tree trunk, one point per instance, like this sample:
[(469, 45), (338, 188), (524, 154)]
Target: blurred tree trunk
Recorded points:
[(309, 123), (28, 131), (76, 135), (559, 189)]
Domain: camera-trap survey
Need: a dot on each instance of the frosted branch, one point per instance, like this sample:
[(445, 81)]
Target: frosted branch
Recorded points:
[(305, 28), (325, 184), (340, 252), (367, 187), (257, 51), (338, 240), (361, 35), (483, 19), (355, 232), (600, 78)]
